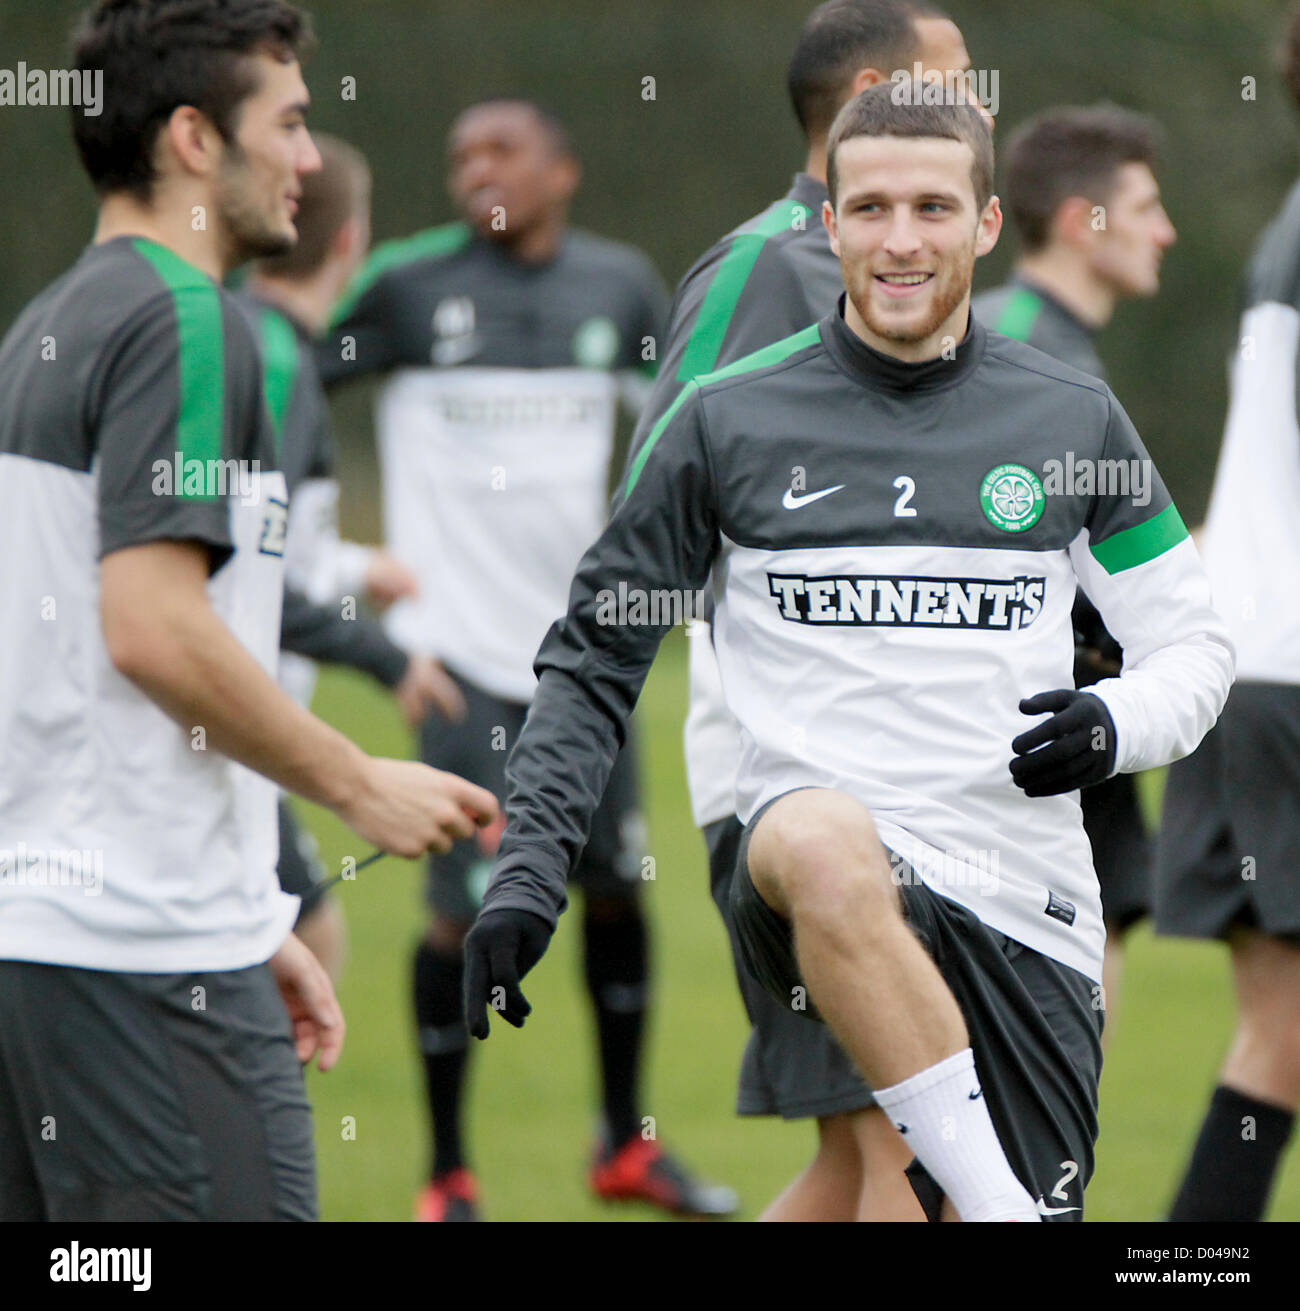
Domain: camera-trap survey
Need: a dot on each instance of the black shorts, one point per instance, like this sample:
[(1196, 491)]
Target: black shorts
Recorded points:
[(1230, 831), (1121, 850), (790, 1067), (1034, 1025), (299, 867), (150, 1097), (476, 749)]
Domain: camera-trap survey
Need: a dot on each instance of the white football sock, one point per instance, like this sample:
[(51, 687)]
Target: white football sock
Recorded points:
[(943, 1117)]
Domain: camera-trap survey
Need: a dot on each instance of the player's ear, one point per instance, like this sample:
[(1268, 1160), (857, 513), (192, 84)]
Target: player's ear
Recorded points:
[(832, 229), (864, 78), (1072, 224), (990, 227), (568, 176), (191, 141)]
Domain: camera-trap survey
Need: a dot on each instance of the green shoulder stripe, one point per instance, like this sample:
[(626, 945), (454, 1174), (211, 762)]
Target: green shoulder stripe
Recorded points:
[(201, 351), (1019, 314), (279, 368), (733, 272), (429, 244), (1142, 542), (760, 359)]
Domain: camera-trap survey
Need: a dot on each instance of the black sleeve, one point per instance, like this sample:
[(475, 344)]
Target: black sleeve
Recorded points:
[(321, 633), (154, 404), (360, 337), (662, 538)]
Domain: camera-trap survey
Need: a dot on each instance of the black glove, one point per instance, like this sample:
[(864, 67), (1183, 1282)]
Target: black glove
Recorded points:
[(500, 949), (1073, 749)]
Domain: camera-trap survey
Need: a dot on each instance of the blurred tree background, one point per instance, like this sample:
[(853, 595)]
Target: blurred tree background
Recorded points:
[(718, 141)]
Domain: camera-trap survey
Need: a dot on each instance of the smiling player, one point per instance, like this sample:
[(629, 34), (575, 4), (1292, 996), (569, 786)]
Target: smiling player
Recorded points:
[(881, 649)]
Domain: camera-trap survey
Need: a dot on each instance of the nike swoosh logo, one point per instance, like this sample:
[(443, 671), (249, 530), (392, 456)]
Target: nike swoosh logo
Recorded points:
[(793, 502), (976, 1095), (1044, 1209)]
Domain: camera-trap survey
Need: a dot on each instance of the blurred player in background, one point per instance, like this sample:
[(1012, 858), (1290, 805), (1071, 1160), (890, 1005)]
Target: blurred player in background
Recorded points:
[(1227, 864), (139, 720), (508, 336), (289, 298), (768, 278), (1082, 196)]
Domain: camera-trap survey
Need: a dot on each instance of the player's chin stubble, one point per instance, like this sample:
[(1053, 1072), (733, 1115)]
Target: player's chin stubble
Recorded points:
[(250, 232), (951, 284)]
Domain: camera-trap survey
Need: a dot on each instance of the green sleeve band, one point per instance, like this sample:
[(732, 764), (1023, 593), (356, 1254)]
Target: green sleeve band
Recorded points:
[(1143, 542)]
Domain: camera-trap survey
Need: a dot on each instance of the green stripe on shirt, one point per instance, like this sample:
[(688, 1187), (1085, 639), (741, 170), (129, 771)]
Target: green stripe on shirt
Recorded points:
[(279, 368), (1019, 315), (760, 359), (1143, 542), (200, 423), (705, 341)]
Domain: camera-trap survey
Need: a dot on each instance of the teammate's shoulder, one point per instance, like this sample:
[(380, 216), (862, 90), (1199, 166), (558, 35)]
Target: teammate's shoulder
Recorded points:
[(768, 233), (777, 357), (1274, 273), (402, 255), (987, 305), (1009, 353), (607, 254)]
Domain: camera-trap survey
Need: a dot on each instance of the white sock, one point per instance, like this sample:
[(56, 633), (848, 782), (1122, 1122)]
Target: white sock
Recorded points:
[(949, 1129)]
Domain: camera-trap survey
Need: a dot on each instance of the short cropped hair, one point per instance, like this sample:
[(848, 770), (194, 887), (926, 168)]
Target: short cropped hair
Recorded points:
[(1068, 152), (157, 55), (552, 124), (840, 37), (877, 112)]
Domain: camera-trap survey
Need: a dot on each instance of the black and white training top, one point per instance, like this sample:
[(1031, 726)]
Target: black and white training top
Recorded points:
[(132, 413), (495, 427), (876, 629)]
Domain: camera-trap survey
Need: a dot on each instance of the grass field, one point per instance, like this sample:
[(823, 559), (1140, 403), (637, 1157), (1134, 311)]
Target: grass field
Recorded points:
[(534, 1094)]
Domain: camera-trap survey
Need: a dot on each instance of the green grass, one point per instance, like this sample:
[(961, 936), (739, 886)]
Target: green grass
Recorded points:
[(533, 1098)]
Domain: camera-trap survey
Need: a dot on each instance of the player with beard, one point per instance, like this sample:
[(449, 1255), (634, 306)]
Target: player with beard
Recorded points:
[(890, 636), (153, 1005), (769, 277)]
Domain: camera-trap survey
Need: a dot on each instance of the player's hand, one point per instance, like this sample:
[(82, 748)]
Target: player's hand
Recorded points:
[(427, 686), (1073, 749), (388, 580), (309, 998), (406, 808), (500, 949)]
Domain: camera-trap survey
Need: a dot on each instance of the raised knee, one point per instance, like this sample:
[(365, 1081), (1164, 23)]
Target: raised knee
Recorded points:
[(819, 852)]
